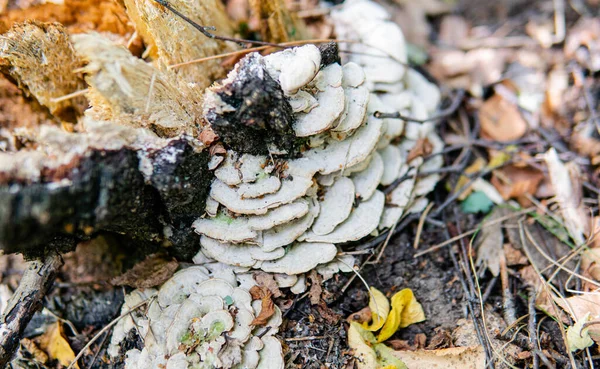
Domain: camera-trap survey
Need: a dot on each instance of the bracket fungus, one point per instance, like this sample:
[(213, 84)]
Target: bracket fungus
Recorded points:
[(197, 320), (311, 202), (300, 168)]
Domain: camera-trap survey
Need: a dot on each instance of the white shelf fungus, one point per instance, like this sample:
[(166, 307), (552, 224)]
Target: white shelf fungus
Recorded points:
[(198, 321), (289, 215)]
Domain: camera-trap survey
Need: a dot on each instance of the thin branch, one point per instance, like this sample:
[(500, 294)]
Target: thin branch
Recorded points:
[(456, 101), (26, 300), (204, 29), (108, 327)]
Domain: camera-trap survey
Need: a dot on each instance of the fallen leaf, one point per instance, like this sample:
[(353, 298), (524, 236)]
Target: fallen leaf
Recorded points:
[(476, 167), (453, 29), (501, 119), (472, 357), (514, 182), (569, 195), (357, 341), (369, 353), (152, 271), (405, 311), (590, 263), (267, 307), (477, 202), (267, 280), (54, 342), (489, 242), (581, 305), (361, 316), (513, 256), (315, 291), (422, 148), (208, 136), (380, 309), (578, 337)]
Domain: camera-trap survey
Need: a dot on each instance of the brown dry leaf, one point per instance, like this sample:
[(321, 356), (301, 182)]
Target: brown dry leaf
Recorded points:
[(501, 120), (513, 256), (422, 148), (515, 182), (566, 181), (208, 136), (267, 280), (468, 70), (413, 17), (453, 30), (489, 242), (152, 271), (441, 339), (54, 342), (472, 357), (583, 43), (557, 85), (361, 316), (94, 261), (590, 263), (267, 308), (315, 287), (579, 306)]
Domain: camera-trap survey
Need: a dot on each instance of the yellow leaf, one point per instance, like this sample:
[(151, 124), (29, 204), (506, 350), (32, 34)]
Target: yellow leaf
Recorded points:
[(405, 311), (477, 166), (57, 347), (579, 337), (371, 355), (380, 308), (367, 358)]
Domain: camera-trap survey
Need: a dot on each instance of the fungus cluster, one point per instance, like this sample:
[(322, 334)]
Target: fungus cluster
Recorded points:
[(195, 320), (288, 213)]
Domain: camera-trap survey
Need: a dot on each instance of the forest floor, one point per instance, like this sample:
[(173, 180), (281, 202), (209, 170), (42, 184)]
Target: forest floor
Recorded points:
[(503, 261)]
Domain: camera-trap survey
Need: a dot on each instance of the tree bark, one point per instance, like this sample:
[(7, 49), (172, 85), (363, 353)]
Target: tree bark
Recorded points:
[(26, 300)]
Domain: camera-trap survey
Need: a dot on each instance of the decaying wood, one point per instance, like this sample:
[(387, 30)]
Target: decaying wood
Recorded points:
[(126, 90), (277, 22), (41, 59), (26, 300), (172, 40)]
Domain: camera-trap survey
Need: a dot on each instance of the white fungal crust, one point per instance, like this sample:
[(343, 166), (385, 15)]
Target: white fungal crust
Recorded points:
[(335, 206), (209, 324)]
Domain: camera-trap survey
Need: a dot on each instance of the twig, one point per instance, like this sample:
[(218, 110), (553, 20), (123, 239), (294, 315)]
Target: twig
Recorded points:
[(204, 29), (458, 98), (108, 326), (26, 300), (308, 338), (420, 225), (475, 230), (509, 309), (532, 327), (252, 49)]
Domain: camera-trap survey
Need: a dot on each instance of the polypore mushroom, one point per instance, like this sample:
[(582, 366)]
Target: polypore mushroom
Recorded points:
[(210, 327)]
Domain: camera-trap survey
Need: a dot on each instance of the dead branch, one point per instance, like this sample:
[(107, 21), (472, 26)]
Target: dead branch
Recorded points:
[(26, 300)]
